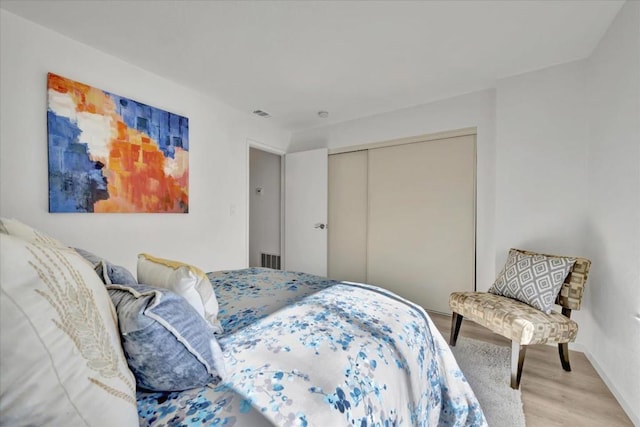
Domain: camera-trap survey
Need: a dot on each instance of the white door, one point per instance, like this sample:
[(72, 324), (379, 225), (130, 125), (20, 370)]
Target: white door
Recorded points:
[(305, 212)]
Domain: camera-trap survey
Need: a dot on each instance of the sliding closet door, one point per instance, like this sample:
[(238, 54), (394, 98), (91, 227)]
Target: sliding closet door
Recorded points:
[(421, 219), (347, 258)]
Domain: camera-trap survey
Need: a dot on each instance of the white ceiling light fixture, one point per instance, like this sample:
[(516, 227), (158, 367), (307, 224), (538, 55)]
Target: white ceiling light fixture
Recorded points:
[(323, 114)]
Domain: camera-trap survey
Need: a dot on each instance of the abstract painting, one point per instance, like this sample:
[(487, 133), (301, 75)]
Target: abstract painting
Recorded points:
[(108, 153)]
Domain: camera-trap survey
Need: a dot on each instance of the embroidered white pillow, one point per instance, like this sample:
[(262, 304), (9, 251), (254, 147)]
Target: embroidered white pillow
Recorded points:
[(185, 280), (61, 362), (13, 227)]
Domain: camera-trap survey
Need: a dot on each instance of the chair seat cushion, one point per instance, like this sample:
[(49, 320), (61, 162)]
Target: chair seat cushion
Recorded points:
[(513, 319)]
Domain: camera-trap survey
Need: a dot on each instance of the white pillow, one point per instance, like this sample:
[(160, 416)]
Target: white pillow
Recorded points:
[(13, 227), (185, 280), (61, 362)]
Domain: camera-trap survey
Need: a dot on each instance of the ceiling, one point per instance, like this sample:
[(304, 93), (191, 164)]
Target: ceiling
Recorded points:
[(350, 58)]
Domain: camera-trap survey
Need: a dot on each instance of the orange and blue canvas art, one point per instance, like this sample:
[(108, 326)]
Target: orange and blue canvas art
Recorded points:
[(108, 153)]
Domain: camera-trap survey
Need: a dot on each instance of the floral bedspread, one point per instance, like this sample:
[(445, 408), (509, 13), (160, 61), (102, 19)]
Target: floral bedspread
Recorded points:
[(301, 350), (245, 296)]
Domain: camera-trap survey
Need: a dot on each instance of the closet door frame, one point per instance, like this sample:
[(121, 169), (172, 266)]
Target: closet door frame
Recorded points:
[(400, 141), (424, 138)]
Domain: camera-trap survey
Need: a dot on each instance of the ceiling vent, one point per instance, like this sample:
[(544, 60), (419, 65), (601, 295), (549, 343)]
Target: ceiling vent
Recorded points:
[(261, 113)]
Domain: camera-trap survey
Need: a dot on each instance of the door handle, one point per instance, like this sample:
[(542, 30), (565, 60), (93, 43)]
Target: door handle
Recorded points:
[(321, 226)]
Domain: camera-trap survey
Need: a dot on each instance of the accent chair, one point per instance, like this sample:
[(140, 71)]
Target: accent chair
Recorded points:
[(526, 277)]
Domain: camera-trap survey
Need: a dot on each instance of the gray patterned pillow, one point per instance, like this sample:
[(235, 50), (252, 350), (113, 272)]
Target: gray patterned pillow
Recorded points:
[(110, 274), (168, 345), (532, 279)]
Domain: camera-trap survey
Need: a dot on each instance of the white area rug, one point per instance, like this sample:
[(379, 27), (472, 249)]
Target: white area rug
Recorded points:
[(487, 367)]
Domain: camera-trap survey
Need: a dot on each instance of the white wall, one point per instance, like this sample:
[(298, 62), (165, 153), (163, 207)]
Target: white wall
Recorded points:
[(612, 327), (541, 159), (568, 181), (214, 233), (472, 110), (264, 207)]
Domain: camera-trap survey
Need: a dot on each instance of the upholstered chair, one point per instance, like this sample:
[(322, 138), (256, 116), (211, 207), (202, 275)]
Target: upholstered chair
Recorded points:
[(518, 321)]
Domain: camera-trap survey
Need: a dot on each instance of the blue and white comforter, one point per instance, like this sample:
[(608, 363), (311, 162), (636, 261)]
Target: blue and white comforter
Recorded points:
[(302, 350)]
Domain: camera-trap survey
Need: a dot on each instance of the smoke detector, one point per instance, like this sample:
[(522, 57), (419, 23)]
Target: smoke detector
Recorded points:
[(323, 114)]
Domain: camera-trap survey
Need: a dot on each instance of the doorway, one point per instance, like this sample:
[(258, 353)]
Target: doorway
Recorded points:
[(265, 208)]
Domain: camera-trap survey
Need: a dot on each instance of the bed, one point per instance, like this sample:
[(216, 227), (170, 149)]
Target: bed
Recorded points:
[(304, 350), (82, 339)]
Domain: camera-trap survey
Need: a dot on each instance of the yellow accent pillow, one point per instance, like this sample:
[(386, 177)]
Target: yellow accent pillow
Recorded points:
[(185, 280)]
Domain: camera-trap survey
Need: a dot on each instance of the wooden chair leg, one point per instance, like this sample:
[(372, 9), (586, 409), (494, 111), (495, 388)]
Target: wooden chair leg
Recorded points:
[(456, 321), (563, 349), (517, 361)]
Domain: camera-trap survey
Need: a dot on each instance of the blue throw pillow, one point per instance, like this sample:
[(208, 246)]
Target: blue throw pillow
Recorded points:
[(168, 345), (110, 274)]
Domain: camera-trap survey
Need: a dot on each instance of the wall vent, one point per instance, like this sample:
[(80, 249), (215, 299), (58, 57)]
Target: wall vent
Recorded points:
[(270, 261), (261, 113)]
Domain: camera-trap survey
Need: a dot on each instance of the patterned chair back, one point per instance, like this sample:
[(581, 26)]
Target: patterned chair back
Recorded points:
[(570, 296)]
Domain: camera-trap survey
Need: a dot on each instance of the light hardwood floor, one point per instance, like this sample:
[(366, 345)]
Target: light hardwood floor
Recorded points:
[(551, 396)]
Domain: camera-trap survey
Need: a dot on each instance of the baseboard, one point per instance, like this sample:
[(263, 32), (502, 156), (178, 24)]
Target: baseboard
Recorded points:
[(626, 407)]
